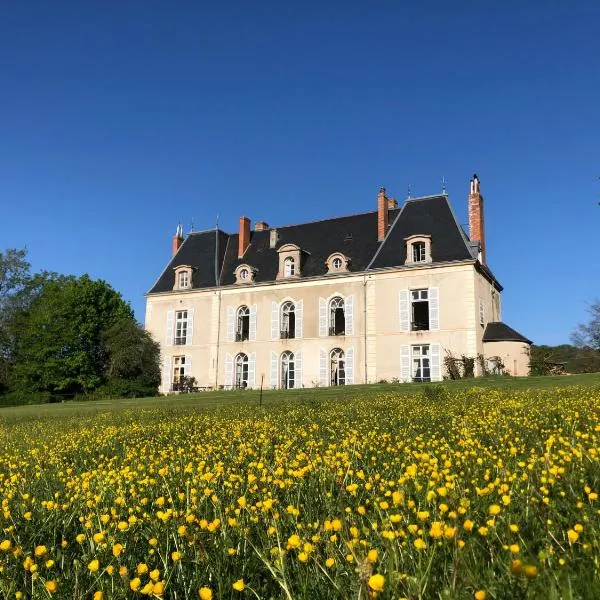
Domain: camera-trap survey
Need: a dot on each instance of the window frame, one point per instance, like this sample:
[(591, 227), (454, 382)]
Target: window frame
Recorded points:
[(287, 359), (422, 298), (332, 318), (411, 242), (242, 323), (337, 355), (421, 357), (183, 271), (180, 330), (287, 313), (241, 371), (178, 371)]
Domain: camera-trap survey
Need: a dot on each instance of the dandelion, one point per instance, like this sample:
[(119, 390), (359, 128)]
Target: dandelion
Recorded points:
[(94, 565), (40, 551), (117, 549), (572, 535), (176, 555), (494, 509)]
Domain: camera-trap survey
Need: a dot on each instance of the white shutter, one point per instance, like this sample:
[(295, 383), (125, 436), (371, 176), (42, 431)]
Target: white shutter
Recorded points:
[(405, 363), (166, 379), (299, 315), (298, 366), (274, 370), (228, 371), (230, 324), (435, 366), (252, 371), (434, 308), (190, 327), (404, 310), (323, 380), (274, 321), (188, 365), (252, 332), (322, 317), (349, 315), (350, 366), (170, 325)]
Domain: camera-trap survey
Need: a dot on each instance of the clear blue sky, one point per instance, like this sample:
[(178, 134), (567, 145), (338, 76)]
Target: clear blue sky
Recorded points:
[(118, 119)]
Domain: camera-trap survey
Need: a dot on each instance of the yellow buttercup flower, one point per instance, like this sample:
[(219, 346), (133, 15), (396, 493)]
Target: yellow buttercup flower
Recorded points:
[(239, 585), (377, 582), (205, 593)]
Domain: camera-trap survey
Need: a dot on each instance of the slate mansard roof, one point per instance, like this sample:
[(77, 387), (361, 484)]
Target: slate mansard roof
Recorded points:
[(355, 236)]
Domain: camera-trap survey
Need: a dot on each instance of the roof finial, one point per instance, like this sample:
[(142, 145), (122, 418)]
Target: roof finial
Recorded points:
[(192, 226), (443, 185), (409, 190)]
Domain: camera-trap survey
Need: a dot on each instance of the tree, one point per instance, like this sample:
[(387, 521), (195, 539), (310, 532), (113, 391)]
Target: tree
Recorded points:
[(587, 335), (133, 360), (59, 347)]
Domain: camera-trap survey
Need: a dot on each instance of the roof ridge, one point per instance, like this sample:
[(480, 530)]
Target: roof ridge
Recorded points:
[(358, 214), (389, 231)]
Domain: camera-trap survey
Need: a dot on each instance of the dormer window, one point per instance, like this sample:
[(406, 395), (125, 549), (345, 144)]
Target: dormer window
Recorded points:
[(183, 277), (244, 274), (337, 263), (418, 249), (289, 261), (289, 267)]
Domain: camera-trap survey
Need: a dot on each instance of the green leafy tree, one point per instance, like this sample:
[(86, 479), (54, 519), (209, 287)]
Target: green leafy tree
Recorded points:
[(59, 348), (133, 360)]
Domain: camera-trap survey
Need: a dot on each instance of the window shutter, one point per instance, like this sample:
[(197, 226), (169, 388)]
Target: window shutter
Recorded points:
[(166, 378), (170, 325), (350, 366), (274, 371), (436, 370), (323, 379), (434, 308), (252, 371), (405, 363), (188, 365), (299, 315), (322, 317), (230, 324), (349, 315), (190, 327), (404, 310), (274, 321), (228, 371), (298, 366), (252, 332)]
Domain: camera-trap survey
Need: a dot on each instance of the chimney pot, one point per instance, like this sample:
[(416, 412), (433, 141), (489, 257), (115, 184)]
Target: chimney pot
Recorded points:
[(177, 239), (392, 203), (244, 236), (261, 226)]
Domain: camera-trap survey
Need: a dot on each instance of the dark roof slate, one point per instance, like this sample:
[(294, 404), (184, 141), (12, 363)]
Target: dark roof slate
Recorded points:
[(425, 216), (497, 331), (354, 236)]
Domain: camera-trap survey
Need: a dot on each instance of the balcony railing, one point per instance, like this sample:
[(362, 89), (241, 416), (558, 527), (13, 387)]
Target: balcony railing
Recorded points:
[(180, 341), (241, 336), (419, 326), (334, 331), (286, 335)]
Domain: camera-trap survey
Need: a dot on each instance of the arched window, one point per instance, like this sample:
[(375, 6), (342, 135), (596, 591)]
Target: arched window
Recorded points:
[(337, 370), (337, 317), (241, 371), (288, 321), (336, 263), (289, 267), (288, 370), (242, 332)]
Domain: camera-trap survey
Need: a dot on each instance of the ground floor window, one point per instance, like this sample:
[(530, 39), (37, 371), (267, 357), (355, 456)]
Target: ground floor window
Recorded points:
[(421, 363), (178, 372), (241, 371), (337, 367), (288, 371)]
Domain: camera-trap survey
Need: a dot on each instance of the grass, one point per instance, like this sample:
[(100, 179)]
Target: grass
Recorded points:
[(471, 489), (208, 400)]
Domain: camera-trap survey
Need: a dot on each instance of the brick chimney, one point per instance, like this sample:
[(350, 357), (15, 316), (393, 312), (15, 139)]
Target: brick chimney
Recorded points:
[(177, 239), (261, 226), (476, 222), (244, 237), (382, 214)]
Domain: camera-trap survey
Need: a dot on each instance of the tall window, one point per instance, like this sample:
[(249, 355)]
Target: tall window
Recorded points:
[(337, 317), (419, 310), (337, 367), (289, 267), (421, 367), (242, 332), (418, 252), (288, 371), (288, 321), (178, 372), (181, 327), (241, 371)]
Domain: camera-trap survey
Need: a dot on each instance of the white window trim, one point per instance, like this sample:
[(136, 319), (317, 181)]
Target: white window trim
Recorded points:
[(413, 239)]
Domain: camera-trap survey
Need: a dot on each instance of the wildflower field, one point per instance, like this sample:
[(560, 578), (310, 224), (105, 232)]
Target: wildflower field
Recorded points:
[(440, 493)]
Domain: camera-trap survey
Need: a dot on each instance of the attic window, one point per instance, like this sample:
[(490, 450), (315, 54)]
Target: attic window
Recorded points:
[(244, 274), (418, 249), (337, 263), (183, 277), (289, 261), (289, 267)]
